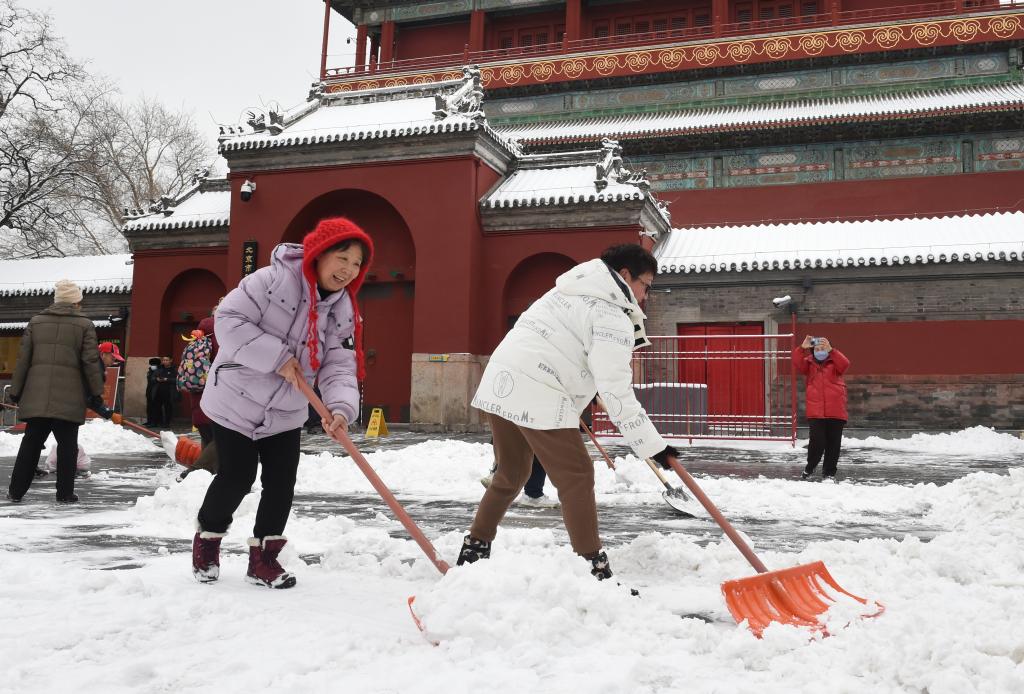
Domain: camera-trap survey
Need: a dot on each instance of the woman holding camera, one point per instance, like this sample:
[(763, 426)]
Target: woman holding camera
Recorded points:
[(823, 367)]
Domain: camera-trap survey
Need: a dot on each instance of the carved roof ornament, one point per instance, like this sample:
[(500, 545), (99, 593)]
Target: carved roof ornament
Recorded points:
[(466, 101), (610, 167)]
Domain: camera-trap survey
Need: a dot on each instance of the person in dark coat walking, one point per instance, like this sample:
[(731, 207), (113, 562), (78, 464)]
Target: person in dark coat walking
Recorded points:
[(165, 377), (57, 376), (152, 414), (824, 367)]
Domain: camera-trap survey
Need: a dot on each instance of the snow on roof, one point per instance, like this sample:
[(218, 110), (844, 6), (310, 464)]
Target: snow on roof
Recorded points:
[(24, 324), (782, 114), (987, 237), (93, 273), (195, 208), (443, 107), (570, 178)]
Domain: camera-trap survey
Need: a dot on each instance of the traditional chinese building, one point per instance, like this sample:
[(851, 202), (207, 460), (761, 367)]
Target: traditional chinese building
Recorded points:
[(480, 187)]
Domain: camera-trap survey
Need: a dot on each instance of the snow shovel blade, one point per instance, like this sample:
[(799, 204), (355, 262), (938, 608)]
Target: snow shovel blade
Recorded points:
[(186, 451), (796, 596), (678, 500)]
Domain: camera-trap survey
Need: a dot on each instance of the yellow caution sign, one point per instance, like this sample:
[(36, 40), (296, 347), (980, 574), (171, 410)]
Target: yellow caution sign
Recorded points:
[(377, 426)]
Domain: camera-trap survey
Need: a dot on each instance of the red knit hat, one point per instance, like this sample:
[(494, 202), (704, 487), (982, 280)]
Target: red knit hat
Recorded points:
[(326, 234)]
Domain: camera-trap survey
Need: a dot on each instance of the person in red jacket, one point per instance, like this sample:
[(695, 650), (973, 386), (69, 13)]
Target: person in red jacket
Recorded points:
[(824, 367)]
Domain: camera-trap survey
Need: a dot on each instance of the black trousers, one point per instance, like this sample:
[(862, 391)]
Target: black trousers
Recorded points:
[(237, 457), (535, 485), (164, 406), (152, 409), (827, 438), (37, 429)]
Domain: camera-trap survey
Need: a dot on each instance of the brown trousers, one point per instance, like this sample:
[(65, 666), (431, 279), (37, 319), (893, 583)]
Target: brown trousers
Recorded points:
[(569, 467)]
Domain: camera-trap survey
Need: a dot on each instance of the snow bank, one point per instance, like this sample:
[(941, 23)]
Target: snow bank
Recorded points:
[(531, 618), (98, 436), (976, 441)]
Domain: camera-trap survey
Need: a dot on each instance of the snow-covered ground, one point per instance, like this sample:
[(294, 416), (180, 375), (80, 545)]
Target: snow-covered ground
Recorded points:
[(101, 599)]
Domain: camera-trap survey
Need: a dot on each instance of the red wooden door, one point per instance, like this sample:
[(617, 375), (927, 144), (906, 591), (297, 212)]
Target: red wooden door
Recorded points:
[(387, 309), (733, 369)]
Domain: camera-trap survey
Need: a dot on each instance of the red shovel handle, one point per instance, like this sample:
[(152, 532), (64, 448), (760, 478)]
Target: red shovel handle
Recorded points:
[(378, 484), (118, 419), (713, 511)]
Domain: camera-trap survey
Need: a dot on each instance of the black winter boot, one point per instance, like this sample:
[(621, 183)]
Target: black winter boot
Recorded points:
[(599, 565), (473, 549)]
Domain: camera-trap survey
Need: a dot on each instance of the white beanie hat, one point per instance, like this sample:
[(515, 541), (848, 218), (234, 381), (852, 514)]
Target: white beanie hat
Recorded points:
[(67, 292)]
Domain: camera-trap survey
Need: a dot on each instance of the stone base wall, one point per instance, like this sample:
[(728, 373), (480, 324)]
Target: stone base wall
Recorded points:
[(442, 389), (935, 401)]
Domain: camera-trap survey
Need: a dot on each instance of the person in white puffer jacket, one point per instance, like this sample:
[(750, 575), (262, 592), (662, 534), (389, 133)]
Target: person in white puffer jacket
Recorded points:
[(573, 342)]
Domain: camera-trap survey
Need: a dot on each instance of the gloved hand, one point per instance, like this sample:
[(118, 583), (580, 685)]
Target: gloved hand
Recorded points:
[(662, 457), (97, 405)]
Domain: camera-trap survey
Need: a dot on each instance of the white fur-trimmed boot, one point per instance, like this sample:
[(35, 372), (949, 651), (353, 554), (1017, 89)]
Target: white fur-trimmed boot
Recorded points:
[(264, 569), (206, 556)]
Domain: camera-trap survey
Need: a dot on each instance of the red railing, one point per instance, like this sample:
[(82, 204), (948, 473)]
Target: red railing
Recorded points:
[(753, 27), (716, 387)]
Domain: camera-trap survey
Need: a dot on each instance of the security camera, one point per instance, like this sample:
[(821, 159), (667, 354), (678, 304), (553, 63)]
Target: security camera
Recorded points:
[(782, 301), (248, 188)]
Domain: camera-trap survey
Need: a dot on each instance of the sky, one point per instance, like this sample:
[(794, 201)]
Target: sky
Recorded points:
[(212, 58)]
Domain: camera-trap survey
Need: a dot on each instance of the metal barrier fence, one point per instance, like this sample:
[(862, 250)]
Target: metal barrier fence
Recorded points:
[(715, 386)]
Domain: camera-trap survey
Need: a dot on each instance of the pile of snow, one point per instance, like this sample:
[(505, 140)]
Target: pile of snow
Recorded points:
[(97, 436), (977, 441), (531, 618)]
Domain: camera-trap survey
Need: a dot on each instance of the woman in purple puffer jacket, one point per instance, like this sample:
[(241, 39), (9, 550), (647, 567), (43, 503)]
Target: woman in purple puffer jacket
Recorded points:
[(295, 319)]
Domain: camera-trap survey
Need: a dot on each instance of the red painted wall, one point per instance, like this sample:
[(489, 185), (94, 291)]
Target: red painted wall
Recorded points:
[(503, 253), (430, 40), (926, 347), (547, 22), (153, 273), (631, 12), (934, 195)]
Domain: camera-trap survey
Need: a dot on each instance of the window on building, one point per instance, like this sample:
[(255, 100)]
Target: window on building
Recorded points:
[(679, 23), (601, 30), (506, 40), (744, 13), (702, 20), (661, 25), (623, 28), (807, 8), (642, 26)]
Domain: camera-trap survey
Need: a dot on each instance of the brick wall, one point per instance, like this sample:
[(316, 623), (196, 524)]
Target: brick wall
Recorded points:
[(983, 388)]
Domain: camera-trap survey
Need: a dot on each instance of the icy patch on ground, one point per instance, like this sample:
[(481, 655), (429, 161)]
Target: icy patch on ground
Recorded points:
[(96, 436)]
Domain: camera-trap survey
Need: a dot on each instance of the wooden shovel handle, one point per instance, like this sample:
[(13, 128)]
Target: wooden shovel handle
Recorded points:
[(654, 467), (713, 511), (378, 484), (593, 438)]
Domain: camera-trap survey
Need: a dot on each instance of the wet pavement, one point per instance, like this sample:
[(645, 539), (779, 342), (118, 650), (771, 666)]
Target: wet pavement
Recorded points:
[(118, 481)]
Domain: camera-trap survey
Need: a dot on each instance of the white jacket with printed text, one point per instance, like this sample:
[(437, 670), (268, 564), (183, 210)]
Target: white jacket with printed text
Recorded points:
[(573, 342)]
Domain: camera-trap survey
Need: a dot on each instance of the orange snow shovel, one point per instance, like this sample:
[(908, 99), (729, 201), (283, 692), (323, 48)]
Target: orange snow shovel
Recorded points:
[(186, 451), (795, 595), (377, 482)]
